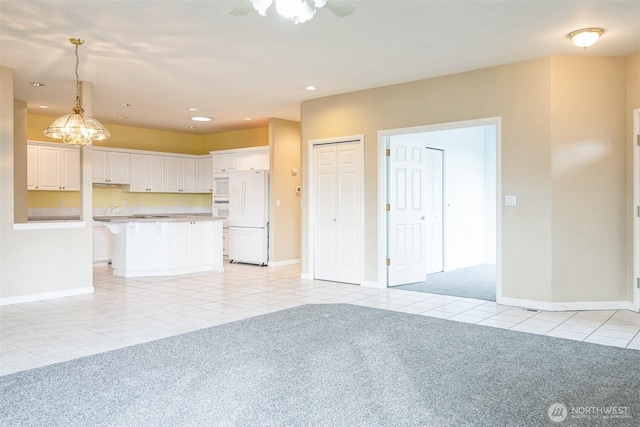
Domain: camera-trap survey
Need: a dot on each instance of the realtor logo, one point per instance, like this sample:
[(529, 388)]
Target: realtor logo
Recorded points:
[(557, 412)]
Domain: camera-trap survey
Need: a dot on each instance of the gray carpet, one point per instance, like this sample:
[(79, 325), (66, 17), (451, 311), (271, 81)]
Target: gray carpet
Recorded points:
[(331, 365), (477, 282)]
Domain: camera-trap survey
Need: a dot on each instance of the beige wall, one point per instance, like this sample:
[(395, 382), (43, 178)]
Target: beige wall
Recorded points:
[(525, 95), (633, 103), (588, 155), (284, 156), (34, 261)]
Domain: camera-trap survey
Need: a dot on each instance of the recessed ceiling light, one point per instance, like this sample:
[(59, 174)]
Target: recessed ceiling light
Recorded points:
[(192, 109), (201, 119), (37, 84), (192, 127), (121, 117), (248, 119), (44, 107), (310, 88), (124, 104)]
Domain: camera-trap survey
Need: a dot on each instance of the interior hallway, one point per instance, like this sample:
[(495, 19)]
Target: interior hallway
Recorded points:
[(124, 312)]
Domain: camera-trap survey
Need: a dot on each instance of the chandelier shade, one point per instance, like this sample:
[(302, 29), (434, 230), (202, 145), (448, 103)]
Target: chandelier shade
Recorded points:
[(76, 128)]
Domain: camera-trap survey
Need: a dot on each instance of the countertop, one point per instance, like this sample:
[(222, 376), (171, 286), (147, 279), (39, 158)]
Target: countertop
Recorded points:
[(156, 218), (127, 218)]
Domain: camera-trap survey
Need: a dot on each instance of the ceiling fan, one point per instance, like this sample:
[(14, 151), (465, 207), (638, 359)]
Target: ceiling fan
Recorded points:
[(297, 10)]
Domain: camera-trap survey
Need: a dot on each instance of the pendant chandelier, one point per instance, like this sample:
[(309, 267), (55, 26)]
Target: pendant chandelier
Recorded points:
[(77, 129)]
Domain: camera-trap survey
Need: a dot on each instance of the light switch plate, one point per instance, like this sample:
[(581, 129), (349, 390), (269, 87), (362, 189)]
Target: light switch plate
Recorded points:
[(510, 200)]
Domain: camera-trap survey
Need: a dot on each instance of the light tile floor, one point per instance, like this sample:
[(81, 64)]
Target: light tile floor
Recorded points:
[(123, 312)]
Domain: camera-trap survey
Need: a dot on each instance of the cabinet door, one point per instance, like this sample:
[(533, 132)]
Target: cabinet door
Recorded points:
[(50, 167), (261, 158), (202, 244), (70, 169), (118, 166), (171, 174), (180, 244), (205, 175), (138, 173), (32, 167), (99, 173), (101, 243), (188, 175), (155, 173), (225, 162)]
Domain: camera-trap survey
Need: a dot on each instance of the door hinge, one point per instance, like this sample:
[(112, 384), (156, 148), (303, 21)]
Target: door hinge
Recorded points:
[(388, 261), (388, 207), (638, 283), (638, 139), (638, 211), (387, 152)]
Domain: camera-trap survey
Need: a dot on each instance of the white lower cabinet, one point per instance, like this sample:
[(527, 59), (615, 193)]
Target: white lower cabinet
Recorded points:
[(192, 243), (101, 243)]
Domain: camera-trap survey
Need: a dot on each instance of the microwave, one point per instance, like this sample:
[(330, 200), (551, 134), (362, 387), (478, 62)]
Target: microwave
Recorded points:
[(221, 186)]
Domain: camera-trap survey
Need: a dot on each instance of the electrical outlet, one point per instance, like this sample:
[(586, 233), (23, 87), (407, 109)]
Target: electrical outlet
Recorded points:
[(179, 203), (61, 203), (124, 203), (139, 204)]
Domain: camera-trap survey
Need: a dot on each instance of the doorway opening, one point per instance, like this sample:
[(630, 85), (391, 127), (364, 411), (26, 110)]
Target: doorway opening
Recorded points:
[(441, 222)]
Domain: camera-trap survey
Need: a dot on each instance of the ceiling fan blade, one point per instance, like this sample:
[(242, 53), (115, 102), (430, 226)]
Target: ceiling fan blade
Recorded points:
[(244, 8), (340, 8)]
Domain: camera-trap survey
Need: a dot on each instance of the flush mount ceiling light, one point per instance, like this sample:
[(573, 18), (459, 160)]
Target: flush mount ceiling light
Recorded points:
[(37, 84), (201, 119), (310, 88), (76, 129), (298, 11), (585, 37)]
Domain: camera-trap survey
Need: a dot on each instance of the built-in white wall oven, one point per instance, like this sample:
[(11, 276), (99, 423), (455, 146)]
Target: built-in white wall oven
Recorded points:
[(221, 186)]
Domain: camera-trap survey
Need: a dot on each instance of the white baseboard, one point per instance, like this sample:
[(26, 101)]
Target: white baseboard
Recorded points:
[(285, 262), (46, 295), (306, 276), (567, 306)]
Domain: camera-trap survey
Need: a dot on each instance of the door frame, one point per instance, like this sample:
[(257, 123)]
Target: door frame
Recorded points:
[(384, 137), (358, 139), (635, 140)]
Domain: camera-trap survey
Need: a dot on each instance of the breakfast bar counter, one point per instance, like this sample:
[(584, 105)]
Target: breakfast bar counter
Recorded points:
[(165, 245)]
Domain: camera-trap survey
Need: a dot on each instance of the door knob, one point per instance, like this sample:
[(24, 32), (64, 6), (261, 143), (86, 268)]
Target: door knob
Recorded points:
[(423, 217)]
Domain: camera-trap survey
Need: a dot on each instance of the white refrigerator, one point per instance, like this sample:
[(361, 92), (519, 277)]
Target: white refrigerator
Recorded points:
[(249, 216)]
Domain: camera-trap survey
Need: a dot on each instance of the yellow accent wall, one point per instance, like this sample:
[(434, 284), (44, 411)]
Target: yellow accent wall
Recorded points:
[(256, 137)]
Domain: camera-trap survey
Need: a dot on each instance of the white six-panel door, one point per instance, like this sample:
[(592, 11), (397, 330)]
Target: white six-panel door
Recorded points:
[(407, 213), (338, 195), (434, 206)]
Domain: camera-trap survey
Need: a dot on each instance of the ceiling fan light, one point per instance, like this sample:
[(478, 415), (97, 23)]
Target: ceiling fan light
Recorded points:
[(319, 3), (305, 13), (261, 6), (288, 8)]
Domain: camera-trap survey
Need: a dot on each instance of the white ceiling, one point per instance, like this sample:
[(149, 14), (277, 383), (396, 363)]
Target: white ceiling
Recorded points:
[(164, 56)]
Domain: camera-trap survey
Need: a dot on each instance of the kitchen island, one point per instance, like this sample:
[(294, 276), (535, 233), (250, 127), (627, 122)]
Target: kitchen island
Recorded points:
[(165, 245)]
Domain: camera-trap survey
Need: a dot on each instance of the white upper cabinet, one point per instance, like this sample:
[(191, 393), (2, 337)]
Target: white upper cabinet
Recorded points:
[(147, 173), (204, 174), (111, 167), (225, 162), (179, 174), (241, 159), (53, 167), (254, 158)]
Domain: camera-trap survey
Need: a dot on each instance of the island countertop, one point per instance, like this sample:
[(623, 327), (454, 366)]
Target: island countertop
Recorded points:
[(156, 218)]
